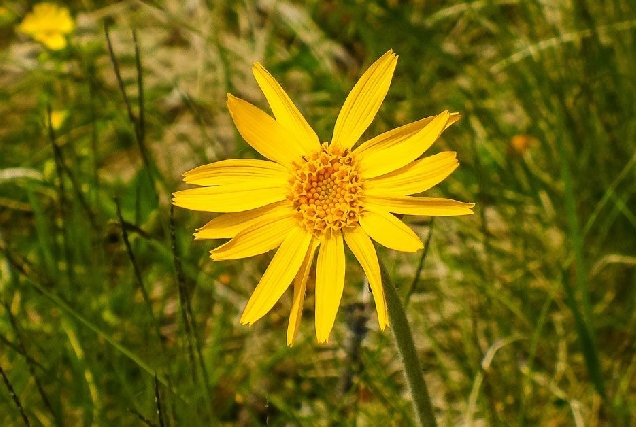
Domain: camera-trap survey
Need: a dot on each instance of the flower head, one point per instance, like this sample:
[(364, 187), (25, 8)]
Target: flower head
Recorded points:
[(310, 197), (57, 118), (48, 24)]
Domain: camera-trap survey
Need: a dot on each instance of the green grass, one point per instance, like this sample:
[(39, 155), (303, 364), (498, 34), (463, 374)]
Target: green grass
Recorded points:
[(523, 314)]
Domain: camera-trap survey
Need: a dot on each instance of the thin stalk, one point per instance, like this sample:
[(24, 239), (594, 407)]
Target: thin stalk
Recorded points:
[(583, 320), (404, 339), (31, 368), (420, 265), (15, 397), (138, 274), (62, 202)]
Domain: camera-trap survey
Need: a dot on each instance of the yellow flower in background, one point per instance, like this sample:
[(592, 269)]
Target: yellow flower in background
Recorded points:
[(318, 196), (49, 24), (57, 118)]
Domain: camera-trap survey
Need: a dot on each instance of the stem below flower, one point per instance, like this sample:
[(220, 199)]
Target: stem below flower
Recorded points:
[(404, 339)]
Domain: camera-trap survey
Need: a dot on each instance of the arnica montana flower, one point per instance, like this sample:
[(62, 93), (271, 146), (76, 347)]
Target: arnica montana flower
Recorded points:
[(311, 196), (49, 24)]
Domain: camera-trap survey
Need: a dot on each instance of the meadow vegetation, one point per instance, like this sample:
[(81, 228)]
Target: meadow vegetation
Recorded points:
[(523, 313)]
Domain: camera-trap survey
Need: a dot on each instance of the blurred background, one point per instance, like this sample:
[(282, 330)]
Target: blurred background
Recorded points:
[(110, 313)]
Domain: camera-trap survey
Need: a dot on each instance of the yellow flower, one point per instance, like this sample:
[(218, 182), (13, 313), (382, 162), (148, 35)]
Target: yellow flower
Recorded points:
[(48, 24), (57, 118), (311, 196)]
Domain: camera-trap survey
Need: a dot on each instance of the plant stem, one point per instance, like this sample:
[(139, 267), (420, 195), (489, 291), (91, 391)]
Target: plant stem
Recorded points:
[(404, 339)]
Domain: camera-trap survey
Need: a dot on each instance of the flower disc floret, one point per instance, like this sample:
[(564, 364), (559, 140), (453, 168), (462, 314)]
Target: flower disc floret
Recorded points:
[(325, 190)]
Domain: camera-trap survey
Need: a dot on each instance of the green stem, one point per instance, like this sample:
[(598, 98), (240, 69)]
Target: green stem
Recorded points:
[(583, 320), (404, 339)]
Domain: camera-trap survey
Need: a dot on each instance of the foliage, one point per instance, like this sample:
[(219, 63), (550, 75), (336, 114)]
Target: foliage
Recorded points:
[(523, 314)]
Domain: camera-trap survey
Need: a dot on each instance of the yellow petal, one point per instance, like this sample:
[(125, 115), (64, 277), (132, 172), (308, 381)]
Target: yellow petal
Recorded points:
[(407, 205), (47, 18), (391, 151), (257, 239), (285, 111), (55, 41), (389, 231), (230, 198), (330, 273), (228, 225), (65, 23), (404, 132), (263, 133), (233, 171), (278, 275), (300, 284), (363, 101), (363, 250), (415, 177)]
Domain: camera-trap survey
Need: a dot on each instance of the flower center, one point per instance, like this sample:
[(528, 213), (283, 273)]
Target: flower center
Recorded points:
[(325, 190)]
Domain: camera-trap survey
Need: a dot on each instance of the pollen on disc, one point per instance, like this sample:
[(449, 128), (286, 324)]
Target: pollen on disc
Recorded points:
[(325, 190)]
